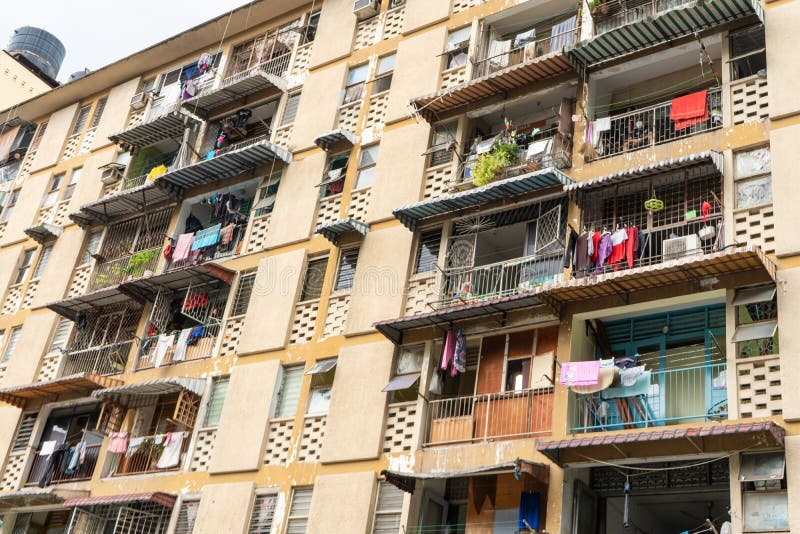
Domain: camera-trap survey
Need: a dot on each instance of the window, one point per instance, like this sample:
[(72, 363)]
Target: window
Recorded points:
[(61, 334), (80, 122), (333, 181), (299, 511), (219, 388), (44, 257), (9, 209), (37, 139), (52, 192), (322, 374), (383, 76), (187, 516), (13, 339), (756, 311), (24, 266), (443, 141), (73, 181), (518, 374), (457, 48), (261, 516), (266, 195), (99, 108), (290, 109), (748, 52), (24, 432), (388, 509), (366, 166), (289, 393), (355, 84), (92, 245), (242, 299), (310, 32), (393, 4), (346, 270), (428, 251), (765, 503), (314, 278), (753, 178), (404, 385)]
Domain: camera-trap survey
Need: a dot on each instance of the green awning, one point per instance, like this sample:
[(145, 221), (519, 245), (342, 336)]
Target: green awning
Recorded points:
[(332, 231), (682, 20), (412, 214)]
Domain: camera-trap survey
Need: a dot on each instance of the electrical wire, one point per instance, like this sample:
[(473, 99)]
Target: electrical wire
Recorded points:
[(647, 470)]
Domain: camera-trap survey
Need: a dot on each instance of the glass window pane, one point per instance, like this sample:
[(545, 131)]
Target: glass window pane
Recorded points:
[(753, 162), (766, 466), (765, 511), (457, 37), (290, 392), (369, 155), (749, 332), (410, 359), (386, 64), (428, 251), (357, 74), (219, 390), (345, 276), (315, 276), (754, 192)]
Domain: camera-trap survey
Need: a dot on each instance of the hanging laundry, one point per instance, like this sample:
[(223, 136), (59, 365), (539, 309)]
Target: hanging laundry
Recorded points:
[(631, 245), (198, 300), (530, 503), (226, 234), (460, 356), (163, 345), (133, 446), (204, 63), (170, 457), (582, 253), (73, 458), (53, 461), (182, 247), (629, 376), (155, 172), (689, 110), (705, 210), (618, 239), (580, 373), (206, 238), (47, 447), (180, 346), (117, 442), (448, 352), (195, 334), (603, 251), (596, 237)]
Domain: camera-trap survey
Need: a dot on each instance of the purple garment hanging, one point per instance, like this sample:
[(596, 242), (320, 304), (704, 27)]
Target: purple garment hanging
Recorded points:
[(604, 251)]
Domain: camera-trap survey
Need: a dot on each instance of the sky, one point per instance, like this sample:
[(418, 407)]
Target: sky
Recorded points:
[(98, 32)]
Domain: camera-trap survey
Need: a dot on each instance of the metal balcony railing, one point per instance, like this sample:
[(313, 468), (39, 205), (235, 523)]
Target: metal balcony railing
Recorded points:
[(199, 346), (145, 457), (108, 359), (509, 415), (490, 64), (655, 127), (612, 14), (128, 267), (61, 473)]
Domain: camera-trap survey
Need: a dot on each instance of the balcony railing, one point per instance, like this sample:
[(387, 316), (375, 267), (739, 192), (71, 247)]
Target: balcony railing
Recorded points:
[(523, 54), (146, 456), (485, 282), (510, 415), (612, 14), (125, 268), (200, 344), (61, 472), (108, 359), (650, 126), (674, 396)]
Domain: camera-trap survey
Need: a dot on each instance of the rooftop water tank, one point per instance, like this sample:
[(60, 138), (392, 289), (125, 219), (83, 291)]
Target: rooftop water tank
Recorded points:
[(38, 46)]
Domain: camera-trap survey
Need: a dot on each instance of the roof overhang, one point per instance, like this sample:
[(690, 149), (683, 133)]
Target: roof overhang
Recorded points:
[(43, 232), (679, 21), (170, 124), (141, 393), (432, 106), (336, 138), (656, 443), (708, 157), (80, 384), (408, 481), (107, 296), (148, 288), (231, 163), (213, 100), (333, 231), (127, 202), (30, 497), (412, 215), (164, 499)]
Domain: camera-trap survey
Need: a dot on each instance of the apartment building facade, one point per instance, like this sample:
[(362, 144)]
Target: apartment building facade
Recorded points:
[(409, 266)]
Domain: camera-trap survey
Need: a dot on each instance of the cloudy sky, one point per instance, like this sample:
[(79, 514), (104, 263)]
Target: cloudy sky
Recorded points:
[(98, 32)]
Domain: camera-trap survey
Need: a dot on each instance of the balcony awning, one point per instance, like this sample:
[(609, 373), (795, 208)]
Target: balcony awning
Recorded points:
[(339, 135), (164, 499), (662, 442), (412, 214), (107, 296), (408, 481), (166, 126), (13, 122), (680, 21), (43, 232), (212, 101), (231, 163), (394, 329), (333, 231), (37, 497), (128, 202), (432, 106), (708, 157), (130, 393), (81, 383), (148, 288)]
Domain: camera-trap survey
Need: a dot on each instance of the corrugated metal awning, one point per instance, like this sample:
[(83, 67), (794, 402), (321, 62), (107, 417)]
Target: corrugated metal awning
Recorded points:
[(43, 232), (679, 21), (213, 100), (412, 214), (632, 173), (653, 443), (166, 126), (127, 202), (231, 163), (69, 307), (80, 383), (37, 497), (164, 499), (151, 388), (333, 231), (465, 94), (339, 135), (148, 288), (407, 481)]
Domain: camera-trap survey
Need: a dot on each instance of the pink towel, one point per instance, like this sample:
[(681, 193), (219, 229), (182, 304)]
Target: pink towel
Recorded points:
[(182, 247), (580, 373), (118, 442), (449, 353)]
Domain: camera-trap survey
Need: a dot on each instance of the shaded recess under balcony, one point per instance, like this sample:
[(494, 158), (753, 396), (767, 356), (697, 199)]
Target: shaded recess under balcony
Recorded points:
[(237, 87), (28, 497), (79, 384), (408, 481), (336, 229), (133, 395), (161, 122), (625, 29)]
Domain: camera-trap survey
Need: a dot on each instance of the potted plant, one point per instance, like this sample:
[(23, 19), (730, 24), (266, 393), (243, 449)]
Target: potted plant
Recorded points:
[(598, 8), (491, 164), (139, 262)]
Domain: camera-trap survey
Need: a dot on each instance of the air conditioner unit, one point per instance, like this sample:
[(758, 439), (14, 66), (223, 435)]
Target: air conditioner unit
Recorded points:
[(111, 173), (139, 100), (365, 9), (681, 247)]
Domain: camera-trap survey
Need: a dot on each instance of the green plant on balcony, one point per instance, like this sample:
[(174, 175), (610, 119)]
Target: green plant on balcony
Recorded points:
[(139, 262), (598, 8), (491, 164), (108, 274)]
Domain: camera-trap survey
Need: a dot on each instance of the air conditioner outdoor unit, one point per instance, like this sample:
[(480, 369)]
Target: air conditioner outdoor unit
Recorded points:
[(366, 8), (139, 100), (681, 247), (112, 173)]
